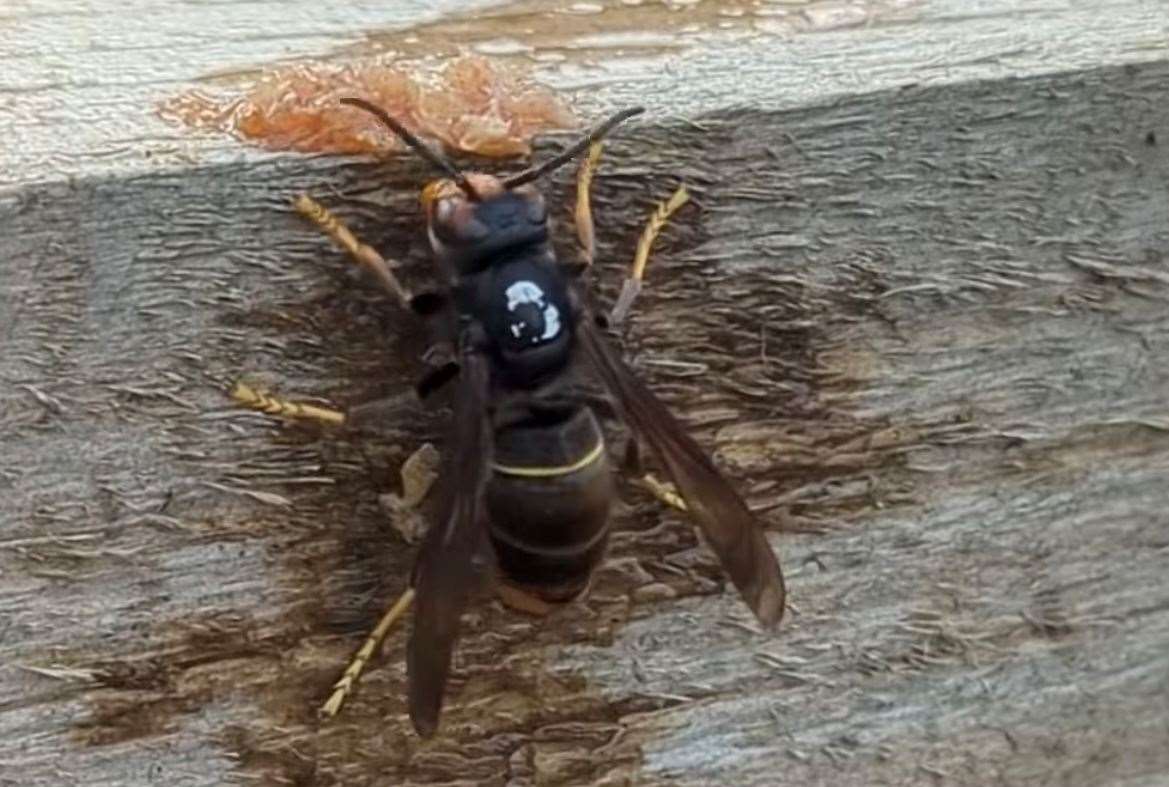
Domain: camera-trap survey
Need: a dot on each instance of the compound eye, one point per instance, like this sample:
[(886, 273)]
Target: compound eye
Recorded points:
[(455, 222), (444, 212), (470, 230), (537, 210)]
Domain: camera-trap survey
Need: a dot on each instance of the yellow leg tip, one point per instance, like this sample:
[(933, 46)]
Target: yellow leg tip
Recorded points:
[(244, 394), (348, 680), (679, 198), (663, 491), (307, 206), (364, 255), (657, 220), (333, 705), (653, 228), (256, 400)]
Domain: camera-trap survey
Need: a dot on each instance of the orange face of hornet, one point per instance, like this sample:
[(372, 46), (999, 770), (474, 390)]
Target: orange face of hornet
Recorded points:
[(447, 207), (457, 224)]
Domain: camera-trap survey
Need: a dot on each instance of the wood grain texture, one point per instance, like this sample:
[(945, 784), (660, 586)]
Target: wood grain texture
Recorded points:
[(81, 80), (923, 329)]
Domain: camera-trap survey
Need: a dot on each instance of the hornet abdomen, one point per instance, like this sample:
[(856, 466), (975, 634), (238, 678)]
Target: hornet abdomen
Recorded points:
[(548, 501)]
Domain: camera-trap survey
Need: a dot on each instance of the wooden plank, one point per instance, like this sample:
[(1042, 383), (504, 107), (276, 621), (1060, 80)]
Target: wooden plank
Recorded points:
[(924, 328), (82, 80)]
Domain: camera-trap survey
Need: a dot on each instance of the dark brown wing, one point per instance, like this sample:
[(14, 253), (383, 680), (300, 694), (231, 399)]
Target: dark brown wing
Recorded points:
[(455, 552), (723, 516)]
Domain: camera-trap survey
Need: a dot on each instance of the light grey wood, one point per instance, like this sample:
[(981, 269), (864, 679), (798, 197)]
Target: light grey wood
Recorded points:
[(82, 80), (924, 329)]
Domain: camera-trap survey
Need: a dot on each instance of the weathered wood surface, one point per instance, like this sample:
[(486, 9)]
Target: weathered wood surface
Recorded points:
[(924, 329), (80, 78)]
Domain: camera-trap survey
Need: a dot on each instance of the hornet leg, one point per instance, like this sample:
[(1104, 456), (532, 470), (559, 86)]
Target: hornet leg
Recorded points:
[(368, 258), (363, 254), (423, 305), (258, 400), (348, 679), (414, 486), (664, 491), (657, 220), (418, 474), (586, 235), (584, 212), (361, 416)]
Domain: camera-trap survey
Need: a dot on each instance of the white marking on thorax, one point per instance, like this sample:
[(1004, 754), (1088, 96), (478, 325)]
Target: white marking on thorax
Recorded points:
[(528, 292)]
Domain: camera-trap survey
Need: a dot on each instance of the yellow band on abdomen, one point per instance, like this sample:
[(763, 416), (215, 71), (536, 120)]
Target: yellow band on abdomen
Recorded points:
[(552, 472)]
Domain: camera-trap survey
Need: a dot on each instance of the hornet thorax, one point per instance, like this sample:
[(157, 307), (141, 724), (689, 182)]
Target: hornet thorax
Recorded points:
[(505, 274)]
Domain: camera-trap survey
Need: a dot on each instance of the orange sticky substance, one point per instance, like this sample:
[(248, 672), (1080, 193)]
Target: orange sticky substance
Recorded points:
[(470, 106)]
